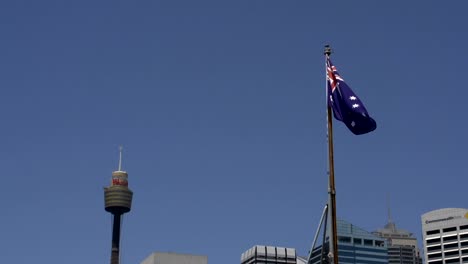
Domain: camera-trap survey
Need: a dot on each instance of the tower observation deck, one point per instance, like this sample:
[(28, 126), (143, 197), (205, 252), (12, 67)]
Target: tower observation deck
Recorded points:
[(118, 201)]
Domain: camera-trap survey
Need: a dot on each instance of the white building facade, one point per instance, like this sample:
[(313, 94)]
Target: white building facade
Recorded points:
[(445, 236), (270, 255)]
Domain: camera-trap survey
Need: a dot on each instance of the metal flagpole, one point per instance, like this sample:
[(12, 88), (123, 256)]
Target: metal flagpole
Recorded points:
[(331, 170)]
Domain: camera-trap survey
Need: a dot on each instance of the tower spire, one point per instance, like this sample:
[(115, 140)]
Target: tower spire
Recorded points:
[(120, 157)]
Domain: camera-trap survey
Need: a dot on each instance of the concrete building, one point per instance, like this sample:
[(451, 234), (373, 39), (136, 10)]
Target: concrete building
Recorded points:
[(174, 258), (445, 236), (355, 245), (270, 255), (402, 245)]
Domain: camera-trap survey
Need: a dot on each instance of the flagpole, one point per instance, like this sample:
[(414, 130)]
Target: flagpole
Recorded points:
[(331, 171)]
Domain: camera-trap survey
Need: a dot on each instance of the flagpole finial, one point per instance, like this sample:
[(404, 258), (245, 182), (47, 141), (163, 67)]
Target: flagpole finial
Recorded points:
[(327, 50)]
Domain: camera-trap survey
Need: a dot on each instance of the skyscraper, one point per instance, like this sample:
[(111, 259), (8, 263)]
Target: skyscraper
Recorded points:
[(118, 201), (355, 245), (445, 235), (402, 245)]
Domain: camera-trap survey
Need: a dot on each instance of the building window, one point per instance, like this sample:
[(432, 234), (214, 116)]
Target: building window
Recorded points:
[(434, 248), (368, 242), (434, 256), (379, 243), (451, 253), (343, 239), (455, 260), (454, 245), (433, 241), (433, 232), (463, 227), (450, 238), (450, 229), (462, 236), (357, 241)]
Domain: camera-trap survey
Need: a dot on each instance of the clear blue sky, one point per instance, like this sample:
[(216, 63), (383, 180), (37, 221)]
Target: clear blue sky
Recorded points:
[(220, 106)]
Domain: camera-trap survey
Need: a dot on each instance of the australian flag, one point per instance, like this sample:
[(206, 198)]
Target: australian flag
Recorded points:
[(347, 107)]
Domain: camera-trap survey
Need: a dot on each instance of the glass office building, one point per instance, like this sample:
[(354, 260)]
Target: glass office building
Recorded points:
[(355, 245)]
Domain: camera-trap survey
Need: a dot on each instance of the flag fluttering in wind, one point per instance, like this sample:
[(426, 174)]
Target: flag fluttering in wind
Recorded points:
[(347, 107)]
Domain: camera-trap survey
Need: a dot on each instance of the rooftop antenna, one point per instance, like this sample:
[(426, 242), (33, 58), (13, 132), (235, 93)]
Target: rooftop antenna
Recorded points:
[(388, 209), (120, 158), (390, 224)]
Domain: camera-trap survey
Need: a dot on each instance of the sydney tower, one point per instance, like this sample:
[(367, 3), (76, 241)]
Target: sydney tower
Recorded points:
[(118, 201)]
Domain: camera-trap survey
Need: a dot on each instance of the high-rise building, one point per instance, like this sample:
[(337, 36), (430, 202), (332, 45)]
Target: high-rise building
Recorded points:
[(355, 245), (174, 258), (402, 245), (445, 236), (118, 201), (270, 255)]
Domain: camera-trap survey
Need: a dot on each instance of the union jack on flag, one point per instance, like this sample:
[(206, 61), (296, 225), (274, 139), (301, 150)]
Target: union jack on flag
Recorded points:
[(347, 107)]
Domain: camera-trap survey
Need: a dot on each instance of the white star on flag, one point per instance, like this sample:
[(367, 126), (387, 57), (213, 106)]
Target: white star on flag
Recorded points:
[(355, 105), (352, 98)]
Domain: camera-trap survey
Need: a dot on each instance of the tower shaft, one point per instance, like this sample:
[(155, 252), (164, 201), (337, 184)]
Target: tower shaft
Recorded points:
[(115, 251)]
